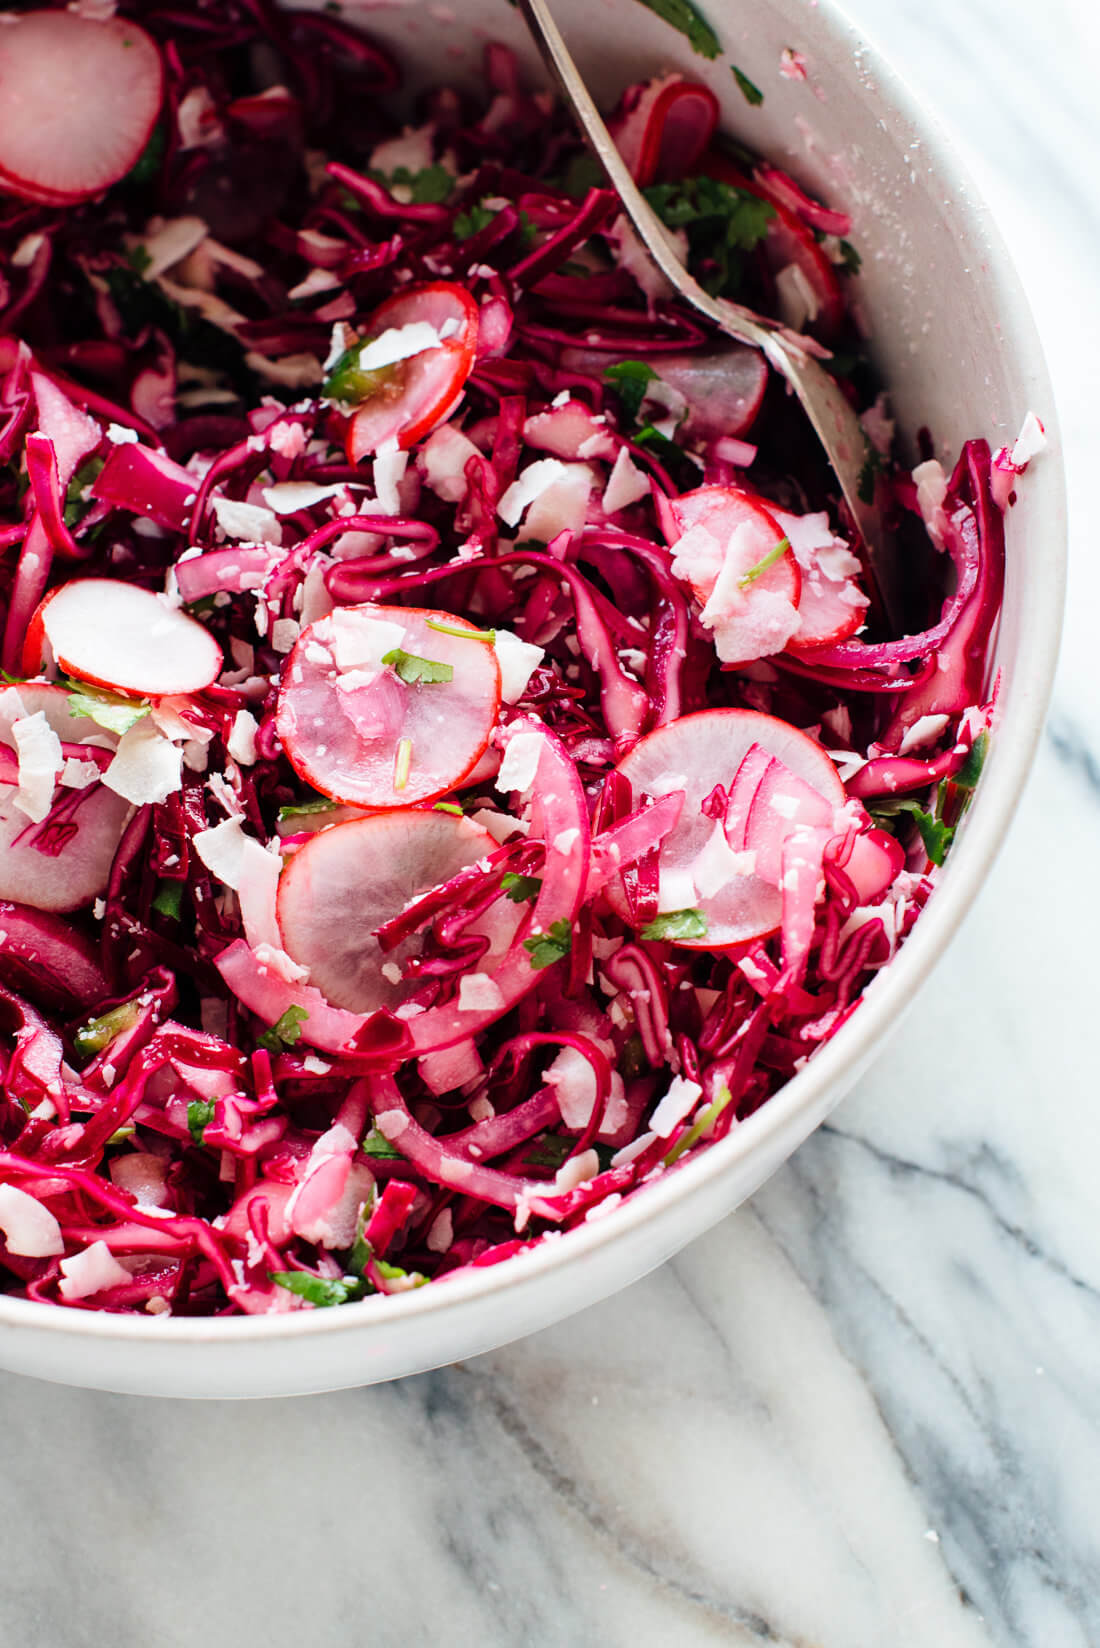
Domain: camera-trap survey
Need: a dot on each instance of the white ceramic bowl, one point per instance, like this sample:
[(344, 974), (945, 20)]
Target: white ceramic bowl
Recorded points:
[(959, 350)]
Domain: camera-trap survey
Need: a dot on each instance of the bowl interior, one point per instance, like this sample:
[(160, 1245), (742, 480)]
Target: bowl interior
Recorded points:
[(957, 346)]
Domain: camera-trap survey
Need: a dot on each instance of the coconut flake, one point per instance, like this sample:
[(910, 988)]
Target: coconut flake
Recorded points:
[(77, 775), (40, 761), (796, 298), (93, 1271), (518, 661), (924, 731), (287, 497), (563, 505), (398, 343), (359, 641), (717, 864), (520, 763), (1029, 442), (931, 484), (524, 490), (30, 1230), (250, 523), (576, 1171), (389, 467), (241, 744), (682, 1097), (499, 825), (478, 993), (441, 1232), (626, 485), (146, 767)]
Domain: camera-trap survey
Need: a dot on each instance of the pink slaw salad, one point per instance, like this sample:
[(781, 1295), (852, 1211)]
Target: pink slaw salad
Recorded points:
[(455, 762)]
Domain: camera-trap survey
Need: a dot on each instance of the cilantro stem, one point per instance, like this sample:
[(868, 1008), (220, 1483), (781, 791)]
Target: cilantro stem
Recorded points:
[(762, 566)]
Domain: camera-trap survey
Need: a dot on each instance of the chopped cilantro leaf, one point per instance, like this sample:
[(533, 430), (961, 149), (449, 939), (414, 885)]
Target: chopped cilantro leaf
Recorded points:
[(448, 807), (413, 670), (147, 164), (199, 1113), (683, 15), (520, 888), (549, 1151), (723, 224), (764, 563), (319, 1290), (934, 833), (470, 223), (851, 261), (630, 379), (430, 186), (547, 948), (679, 465), (76, 504), (676, 924), (107, 709), (583, 172), (971, 770), (349, 384), (169, 899), (285, 1032), (377, 1145), (749, 91)]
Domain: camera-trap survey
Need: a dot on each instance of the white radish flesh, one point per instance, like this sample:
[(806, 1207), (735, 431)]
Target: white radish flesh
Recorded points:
[(77, 873), (123, 637), (78, 98), (346, 882), (345, 718), (696, 754)]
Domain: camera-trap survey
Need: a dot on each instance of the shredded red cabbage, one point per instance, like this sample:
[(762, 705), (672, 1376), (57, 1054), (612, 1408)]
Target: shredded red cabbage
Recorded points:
[(448, 774)]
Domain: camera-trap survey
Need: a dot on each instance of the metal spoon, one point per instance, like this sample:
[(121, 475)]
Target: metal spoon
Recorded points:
[(823, 401)]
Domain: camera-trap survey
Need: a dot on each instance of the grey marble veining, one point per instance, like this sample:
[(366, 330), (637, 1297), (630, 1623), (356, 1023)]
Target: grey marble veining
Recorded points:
[(865, 1411)]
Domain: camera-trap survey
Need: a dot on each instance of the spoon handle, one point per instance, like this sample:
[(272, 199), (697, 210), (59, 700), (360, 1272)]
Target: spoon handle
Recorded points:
[(830, 413)]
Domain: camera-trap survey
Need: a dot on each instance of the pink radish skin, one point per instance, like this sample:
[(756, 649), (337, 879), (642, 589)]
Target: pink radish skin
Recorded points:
[(347, 881), (77, 874), (345, 743), (78, 99), (424, 388), (123, 637), (697, 753)]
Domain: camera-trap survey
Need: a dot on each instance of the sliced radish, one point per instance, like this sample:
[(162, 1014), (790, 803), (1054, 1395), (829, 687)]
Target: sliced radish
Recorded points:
[(782, 803), (359, 732), (696, 754), (725, 537), (665, 131), (82, 842), (123, 637), (875, 863), (346, 882), (724, 388), (831, 603), (78, 98), (403, 399)]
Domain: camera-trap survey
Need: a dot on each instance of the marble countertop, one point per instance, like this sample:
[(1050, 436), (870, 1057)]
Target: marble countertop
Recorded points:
[(880, 1427)]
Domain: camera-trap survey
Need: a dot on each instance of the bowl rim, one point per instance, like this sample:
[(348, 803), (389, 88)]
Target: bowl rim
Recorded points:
[(883, 999)]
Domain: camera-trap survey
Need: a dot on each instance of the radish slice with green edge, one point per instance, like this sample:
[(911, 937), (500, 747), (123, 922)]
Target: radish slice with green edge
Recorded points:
[(78, 99), (742, 572), (371, 733), (345, 882), (696, 754), (407, 372), (64, 862), (122, 637), (559, 816)]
